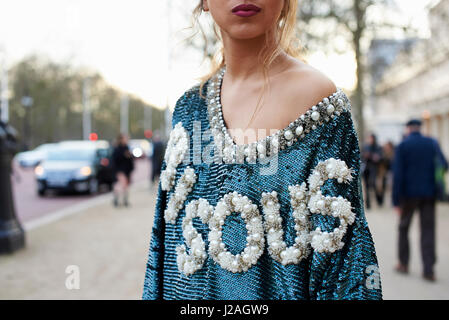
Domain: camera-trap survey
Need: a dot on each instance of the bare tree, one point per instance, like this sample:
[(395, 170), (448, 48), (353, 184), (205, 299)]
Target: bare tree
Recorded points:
[(342, 25), (56, 113)]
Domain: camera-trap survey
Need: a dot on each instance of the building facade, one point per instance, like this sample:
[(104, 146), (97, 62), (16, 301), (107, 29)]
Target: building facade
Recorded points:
[(416, 85)]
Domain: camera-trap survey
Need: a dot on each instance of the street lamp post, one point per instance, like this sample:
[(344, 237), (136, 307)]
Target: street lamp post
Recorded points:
[(87, 116), (124, 115), (27, 103), (89, 102), (147, 115), (12, 235)]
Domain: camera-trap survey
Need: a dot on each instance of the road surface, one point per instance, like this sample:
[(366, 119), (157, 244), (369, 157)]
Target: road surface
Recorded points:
[(29, 206)]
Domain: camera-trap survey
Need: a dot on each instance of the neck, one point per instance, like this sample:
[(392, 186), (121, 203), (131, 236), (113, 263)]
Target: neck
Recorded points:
[(243, 57)]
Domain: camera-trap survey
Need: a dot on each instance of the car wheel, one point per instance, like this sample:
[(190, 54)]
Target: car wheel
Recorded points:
[(93, 186)]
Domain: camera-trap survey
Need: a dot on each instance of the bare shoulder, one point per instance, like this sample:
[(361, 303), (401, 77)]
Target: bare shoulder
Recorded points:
[(308, 84), (303, 87)]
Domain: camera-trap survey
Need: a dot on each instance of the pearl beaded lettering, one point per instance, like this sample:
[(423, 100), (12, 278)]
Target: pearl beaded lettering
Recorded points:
[(304, 202)]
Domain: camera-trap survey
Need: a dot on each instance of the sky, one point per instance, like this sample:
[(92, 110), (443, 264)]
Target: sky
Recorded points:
[(129, 42)]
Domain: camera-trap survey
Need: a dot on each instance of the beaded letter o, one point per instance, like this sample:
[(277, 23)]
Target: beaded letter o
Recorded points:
[(234, 202)]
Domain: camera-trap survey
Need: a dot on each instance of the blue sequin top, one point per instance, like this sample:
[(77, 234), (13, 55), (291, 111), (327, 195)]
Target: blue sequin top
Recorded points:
[(225, 227)]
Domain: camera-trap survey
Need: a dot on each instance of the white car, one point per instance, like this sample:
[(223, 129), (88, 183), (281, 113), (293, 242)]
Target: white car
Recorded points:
[(33, 157)]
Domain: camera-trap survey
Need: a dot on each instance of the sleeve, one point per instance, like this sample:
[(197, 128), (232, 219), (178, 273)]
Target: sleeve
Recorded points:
[(152, 288), (441, 158), (343, 263), (153, 282)]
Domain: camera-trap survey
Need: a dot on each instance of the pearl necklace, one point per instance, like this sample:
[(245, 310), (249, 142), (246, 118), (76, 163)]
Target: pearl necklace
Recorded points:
[(269, 146)]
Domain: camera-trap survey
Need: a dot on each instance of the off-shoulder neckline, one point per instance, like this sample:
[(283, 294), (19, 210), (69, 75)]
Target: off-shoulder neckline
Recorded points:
[(316, 115)]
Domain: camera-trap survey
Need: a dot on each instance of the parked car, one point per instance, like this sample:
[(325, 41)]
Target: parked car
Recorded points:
[(139, 148), (33, 157), (79, 166)]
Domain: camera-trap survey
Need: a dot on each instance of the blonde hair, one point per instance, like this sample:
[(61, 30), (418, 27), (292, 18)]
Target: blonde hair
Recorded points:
[(284, 37)]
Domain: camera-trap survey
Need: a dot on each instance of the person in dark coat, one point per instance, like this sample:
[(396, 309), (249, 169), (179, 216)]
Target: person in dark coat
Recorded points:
[(371, 156), (414, 187), (157, 156), (123, 164)]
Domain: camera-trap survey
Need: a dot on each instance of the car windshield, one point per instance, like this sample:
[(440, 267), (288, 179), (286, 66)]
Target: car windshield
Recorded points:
[(71, 155)]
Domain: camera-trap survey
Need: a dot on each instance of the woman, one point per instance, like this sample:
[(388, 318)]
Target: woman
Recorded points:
[(384, 171), (266, 203), (123, 164)]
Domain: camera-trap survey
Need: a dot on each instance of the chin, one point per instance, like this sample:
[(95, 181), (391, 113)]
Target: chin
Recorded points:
[(245, 32)]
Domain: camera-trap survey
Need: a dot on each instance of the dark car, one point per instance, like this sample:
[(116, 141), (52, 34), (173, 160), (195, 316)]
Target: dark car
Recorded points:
[(79, 166)]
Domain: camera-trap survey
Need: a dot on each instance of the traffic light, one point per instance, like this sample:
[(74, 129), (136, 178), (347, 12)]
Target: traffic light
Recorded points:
[(93, 136), (148, 133)]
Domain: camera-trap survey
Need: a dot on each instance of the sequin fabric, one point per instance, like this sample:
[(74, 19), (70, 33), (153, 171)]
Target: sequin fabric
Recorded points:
[(348, 273)]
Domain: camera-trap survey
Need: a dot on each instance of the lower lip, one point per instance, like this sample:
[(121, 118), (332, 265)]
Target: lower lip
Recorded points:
[(246, 14)]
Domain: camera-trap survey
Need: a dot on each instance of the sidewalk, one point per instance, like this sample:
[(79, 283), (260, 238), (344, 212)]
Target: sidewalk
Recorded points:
[(110, 246), (383, 224)]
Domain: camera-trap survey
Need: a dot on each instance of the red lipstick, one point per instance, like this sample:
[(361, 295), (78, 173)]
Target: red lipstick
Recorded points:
[(246, 10)]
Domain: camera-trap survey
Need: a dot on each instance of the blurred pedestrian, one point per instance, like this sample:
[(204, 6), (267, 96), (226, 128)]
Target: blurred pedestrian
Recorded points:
[(157, 156), (383, 176), (371, 157), (414, 187), (123, 163)]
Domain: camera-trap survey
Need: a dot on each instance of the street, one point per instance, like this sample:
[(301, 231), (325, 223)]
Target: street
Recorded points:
[(29, 206), (109, 246), (383, 225)]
